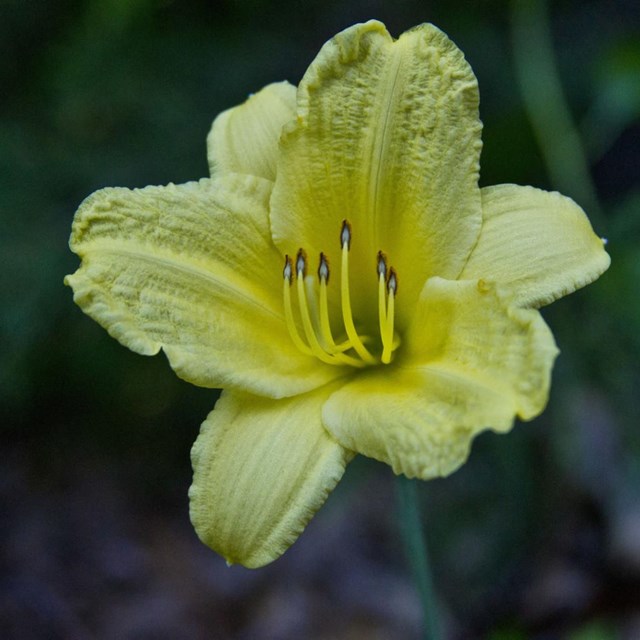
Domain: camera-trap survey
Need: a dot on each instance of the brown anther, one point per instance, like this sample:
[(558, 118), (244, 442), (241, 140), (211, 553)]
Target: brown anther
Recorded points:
[(323, 269), (392, 282), (288, 268), (301, 264), (345, 234), (382, 265)]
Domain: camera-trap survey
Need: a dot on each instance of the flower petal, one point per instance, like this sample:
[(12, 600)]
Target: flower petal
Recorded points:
[(245, 139), (471, 362), (262, 468), (538, 242), (473, 329), (191, 269), (387, 136)]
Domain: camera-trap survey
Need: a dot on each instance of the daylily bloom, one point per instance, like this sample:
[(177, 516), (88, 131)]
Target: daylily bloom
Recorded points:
[(343, 278)]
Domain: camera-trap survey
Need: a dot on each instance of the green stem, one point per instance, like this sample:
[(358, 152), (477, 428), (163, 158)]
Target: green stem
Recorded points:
[(546, 105), (417, 556)]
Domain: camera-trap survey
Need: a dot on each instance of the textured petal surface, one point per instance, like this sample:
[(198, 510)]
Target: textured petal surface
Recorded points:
[(191, 269), (388, 137), (470, 362), (538, 242), (245, 139), (262, 468)]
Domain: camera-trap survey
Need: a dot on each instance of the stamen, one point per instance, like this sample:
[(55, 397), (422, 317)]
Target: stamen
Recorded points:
[(323, 269), (352, 334), (387, 332), (288, 311), (286, 272), (310, 334), (382, 297), (301, 264), (392, 283), (315, 319), (325, 326), (345, 234), (382, 265)]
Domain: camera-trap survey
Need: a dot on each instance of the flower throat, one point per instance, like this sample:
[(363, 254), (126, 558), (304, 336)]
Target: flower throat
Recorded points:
[(318, 337)]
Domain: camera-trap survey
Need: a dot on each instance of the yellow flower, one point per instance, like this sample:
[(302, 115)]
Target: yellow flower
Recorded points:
[(345, 280)]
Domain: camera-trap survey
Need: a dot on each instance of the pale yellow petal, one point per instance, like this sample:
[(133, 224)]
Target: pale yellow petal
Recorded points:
[(262, 468), (421, 423), (539, 243), (469, 363), (192, 269), (388, 137), (472, 328), (245, 139)]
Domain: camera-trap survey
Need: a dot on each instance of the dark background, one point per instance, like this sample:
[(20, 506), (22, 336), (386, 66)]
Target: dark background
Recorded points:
[(537, 536)]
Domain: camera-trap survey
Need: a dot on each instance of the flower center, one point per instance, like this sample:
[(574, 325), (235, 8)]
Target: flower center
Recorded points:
[(313, 310)]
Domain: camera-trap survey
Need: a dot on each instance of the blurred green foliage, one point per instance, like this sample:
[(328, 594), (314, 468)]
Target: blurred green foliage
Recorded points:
[(99, 93)]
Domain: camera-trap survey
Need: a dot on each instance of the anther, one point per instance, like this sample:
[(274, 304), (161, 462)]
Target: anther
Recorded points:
[(286, 272), (301, 264), (323, 269), (392, 282), (382, 265), (345, 234)]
